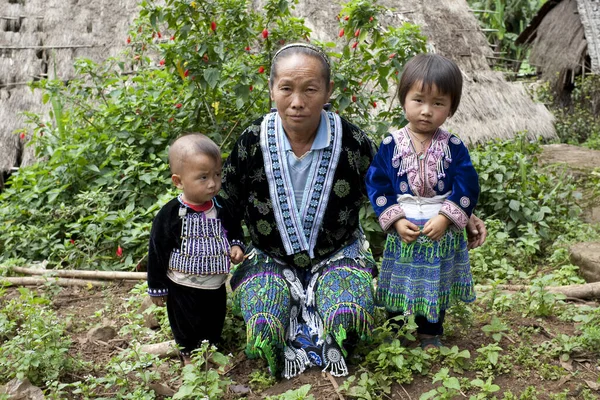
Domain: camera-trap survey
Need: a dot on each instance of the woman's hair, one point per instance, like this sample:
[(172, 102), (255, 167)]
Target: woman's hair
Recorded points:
[(191, 144), (429, 70), (305, 49)]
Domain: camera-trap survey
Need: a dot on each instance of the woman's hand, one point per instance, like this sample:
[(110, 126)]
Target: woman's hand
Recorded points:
[(407, 231), (237, 254), (435, 228), (159, 301), (476, 232)]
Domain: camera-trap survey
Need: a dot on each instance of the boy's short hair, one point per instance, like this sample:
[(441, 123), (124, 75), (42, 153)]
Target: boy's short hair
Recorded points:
[(432, 69), (190, 144)]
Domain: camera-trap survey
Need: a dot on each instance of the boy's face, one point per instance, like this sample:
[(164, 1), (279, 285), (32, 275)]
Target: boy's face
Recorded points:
[(426, 108), (200, 178)]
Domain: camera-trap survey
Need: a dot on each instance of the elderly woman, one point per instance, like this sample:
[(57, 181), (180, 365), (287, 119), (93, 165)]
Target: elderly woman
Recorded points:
[(296, 178)]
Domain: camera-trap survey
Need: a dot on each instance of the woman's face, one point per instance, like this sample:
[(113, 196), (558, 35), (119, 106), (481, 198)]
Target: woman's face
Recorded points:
[(299, 91)]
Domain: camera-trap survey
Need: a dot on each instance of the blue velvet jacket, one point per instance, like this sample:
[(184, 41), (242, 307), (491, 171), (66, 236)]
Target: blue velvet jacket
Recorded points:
[(446, 167)]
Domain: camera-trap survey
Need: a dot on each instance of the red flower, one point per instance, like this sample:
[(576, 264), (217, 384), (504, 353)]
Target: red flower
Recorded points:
[(158, 34), (341, 32), (392, 55), (261, 69), (251, 88), (205, 58), (119, 251), (345, 89), (247, 48), (171, 119), (346, 18), (353, 99), (173, 37), (356, 33), (22, 135), (354, 45), (370, 19), (374, 105), (213, 26), (186, 73), (162, 62), (128, 39), (178, 105), (72, 242), (265, 33)]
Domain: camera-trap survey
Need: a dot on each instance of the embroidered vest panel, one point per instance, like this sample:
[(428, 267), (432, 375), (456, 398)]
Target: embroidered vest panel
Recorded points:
[(204, 247)]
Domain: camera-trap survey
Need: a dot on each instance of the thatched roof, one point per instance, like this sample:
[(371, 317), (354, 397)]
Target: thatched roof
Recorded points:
[(565, 40), (491, 107), (38, 37)]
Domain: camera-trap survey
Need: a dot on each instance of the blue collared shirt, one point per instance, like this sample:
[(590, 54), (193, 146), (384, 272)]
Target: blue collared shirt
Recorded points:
[(300, 166)]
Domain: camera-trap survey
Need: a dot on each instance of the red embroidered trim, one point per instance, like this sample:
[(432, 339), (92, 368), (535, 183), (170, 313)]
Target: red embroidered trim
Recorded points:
[(199, 207)]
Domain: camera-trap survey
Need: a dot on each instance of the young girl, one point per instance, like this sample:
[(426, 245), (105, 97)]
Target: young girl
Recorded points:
[(423, 188), (189, 253)]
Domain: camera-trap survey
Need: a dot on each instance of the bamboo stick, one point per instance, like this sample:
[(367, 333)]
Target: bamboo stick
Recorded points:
[(33, 281), (110, 275), (584, 291)]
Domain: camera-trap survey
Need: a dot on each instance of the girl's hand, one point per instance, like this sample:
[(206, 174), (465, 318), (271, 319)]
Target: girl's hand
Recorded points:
[(237, 254), (407, 231), (435, 228), (159, 301)]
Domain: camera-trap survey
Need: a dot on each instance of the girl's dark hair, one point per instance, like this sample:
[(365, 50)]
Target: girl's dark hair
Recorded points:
[(432, 69), (305, 49)]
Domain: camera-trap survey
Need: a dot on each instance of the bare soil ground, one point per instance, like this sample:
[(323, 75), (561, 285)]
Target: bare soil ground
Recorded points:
[(84, 308)]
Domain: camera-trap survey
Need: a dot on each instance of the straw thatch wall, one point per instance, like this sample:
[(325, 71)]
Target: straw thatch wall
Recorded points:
[(38, 37), (565, 41), (491, 107)]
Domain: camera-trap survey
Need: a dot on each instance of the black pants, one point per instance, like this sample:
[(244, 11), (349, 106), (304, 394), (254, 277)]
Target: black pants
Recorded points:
[(425, 327), (196, 315)]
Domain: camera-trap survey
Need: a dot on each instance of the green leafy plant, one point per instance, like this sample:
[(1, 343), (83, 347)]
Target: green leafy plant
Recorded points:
[(496, 328), (33, 343), (189, 66), (450, 387), (455, 358), (294, 394), (261, 380), (199, 379)]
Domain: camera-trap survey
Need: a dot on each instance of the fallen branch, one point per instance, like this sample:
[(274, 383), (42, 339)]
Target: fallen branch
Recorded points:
[(584, 291), (335, 385), (72, 273), (32, 281)]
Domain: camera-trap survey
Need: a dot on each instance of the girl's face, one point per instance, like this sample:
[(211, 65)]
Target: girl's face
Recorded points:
[(426, 108)]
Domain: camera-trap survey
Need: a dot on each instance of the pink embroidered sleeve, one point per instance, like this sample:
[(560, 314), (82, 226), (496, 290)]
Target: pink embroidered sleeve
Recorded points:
[(455, 214), (390, 215)]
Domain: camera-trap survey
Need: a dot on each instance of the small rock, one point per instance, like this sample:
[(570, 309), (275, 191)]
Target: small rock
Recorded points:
[(103, 333), (239, 389), (22, 390), (150, 320), (587, 257), (162, 390)]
